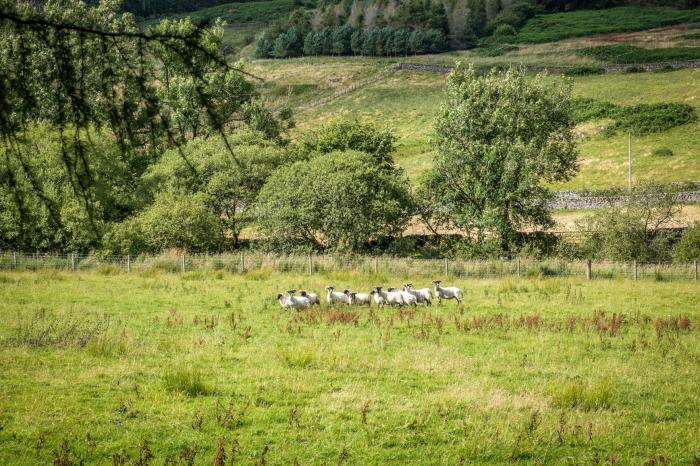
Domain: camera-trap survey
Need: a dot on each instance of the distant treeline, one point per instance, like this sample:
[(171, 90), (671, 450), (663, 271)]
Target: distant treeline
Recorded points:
[(346, 40)]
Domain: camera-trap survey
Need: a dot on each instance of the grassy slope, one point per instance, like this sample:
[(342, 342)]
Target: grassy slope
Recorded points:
[(557, 26), (432, 398), (408, 101)]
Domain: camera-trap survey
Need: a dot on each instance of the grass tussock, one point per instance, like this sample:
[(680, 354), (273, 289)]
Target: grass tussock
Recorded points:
[(581, 395), (44, 329), (298, 357), (186, 381)]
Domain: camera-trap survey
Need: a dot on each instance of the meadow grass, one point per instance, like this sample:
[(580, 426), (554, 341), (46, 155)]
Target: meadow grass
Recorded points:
[(192, 368)]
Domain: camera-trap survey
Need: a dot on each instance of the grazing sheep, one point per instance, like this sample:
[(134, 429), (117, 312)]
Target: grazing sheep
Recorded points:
[(388, 297), (335, 297), (423, 295), (298, 302), (408, 298), (312, 297), (449, 292), (284, 302), (360, 299)]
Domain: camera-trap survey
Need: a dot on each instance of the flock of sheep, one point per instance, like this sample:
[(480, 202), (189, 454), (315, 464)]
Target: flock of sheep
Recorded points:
[(406, 296)]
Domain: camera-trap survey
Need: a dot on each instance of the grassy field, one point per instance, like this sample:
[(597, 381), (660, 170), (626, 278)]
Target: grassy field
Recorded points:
[(116, 368)]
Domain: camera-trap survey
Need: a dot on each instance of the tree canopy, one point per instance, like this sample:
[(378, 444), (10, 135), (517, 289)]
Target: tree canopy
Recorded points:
[(91, 73), (339, 201), (500, 138)]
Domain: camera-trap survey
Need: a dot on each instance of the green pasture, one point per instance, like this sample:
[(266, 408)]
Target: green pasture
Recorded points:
[(103, 367)]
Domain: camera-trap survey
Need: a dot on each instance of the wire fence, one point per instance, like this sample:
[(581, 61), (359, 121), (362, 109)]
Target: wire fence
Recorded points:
[(246, 262)]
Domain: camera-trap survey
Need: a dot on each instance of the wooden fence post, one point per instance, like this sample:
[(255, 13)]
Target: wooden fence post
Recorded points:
[(447, 267), (695, 264), (128, 263), (311, 264), (518, 266), (376, 265), (183, 263), (589, 269), (242, 262), (14, 260), (635, 270), (72, 262)]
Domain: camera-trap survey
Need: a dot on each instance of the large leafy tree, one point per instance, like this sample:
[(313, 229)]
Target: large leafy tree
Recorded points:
[(337, 201), (500, 139), (227, 180), (91, 73)]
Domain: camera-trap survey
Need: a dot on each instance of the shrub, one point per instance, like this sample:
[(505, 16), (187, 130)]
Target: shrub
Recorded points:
[(584, 70), (186, 381), (504, 31), (640, 119), (688, 248), (662, 152), (652, 118), (180, 221), (585, 109)]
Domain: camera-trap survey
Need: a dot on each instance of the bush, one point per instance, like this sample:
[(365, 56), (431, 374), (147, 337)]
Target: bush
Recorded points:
[(186, 381), (639, 119), (585, 109), (662, 152), (652, 118), (504, 31), (338, 201), (626, 53), (584, 70), (688, 248), (180, 221), (636, 230)]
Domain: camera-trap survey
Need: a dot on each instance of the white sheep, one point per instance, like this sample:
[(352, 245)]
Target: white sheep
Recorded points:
[(284, 302), (408, 298), (297, 302), (388, 297), (312, 297), (335, 297), (423, 295), (360, 299), (449, 292)]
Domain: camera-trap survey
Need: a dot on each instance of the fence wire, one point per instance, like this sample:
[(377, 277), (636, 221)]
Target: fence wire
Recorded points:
[(247, 262)]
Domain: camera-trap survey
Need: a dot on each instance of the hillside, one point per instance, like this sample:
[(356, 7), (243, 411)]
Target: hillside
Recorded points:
[(319, 88), (406, 101)]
